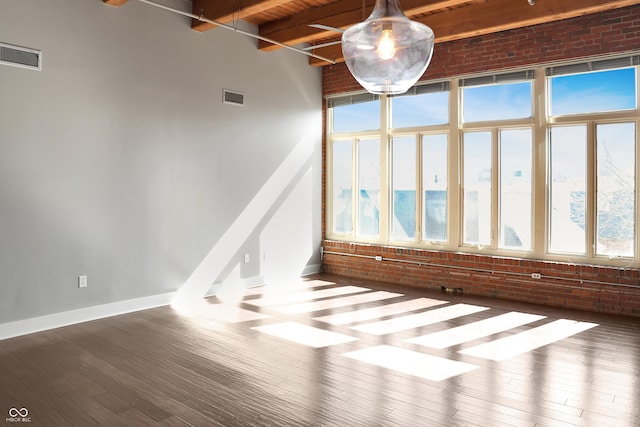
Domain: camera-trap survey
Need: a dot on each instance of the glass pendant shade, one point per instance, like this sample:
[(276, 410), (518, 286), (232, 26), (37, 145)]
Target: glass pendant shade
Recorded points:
[(387, 53)]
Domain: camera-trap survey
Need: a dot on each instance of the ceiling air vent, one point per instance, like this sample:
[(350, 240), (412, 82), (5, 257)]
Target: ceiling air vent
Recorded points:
[(233, 97), (20, 57)]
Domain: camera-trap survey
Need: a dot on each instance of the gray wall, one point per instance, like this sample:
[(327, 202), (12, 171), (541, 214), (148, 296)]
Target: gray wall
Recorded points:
[(119, 161)]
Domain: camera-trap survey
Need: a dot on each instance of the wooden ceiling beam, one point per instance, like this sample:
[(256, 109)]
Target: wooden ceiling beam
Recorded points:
[(295, 29), (342, 14), (115, 3), (226, 11), (502, 15), (495, 16)]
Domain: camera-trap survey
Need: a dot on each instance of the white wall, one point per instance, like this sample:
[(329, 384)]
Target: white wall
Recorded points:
[(119, 161)]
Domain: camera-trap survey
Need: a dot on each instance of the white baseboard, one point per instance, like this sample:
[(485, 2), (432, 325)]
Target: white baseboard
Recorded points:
[(66, 318), (311, 269), (253, 281)]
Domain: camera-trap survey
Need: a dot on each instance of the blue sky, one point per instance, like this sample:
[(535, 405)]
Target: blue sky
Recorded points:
[(593, 92), (570, 94)]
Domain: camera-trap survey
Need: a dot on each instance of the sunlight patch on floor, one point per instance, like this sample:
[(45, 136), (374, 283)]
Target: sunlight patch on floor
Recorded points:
[(411, 362), (337, 302), (523, 342), (475, 330), (303, 334), (421, 319), (305, 296), (378, 312)]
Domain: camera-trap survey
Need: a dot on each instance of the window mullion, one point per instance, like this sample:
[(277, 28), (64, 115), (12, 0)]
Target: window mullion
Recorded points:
[(636, 236), (419, 190), (454, 153), (591, 191), (540, 190), (495, 188), (329, 188)]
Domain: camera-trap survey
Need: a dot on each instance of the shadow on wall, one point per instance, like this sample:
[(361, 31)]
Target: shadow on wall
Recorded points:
[(287, 252)]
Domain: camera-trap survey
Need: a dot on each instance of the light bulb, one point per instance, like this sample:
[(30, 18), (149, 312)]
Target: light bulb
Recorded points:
[(386, 47), (387, 53)]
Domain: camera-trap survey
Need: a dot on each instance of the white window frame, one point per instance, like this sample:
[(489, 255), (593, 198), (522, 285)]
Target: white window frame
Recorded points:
[(540, 124)]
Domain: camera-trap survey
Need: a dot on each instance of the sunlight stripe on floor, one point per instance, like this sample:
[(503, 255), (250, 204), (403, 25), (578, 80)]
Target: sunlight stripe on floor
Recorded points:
[(305, 296), (278, 289), (420, 319), (411, 362), (475, 330), (303, 334), (378, 312), (523, 342), (337, 302)]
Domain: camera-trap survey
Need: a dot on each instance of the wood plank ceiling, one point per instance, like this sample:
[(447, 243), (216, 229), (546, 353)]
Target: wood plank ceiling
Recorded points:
[(288, 21)]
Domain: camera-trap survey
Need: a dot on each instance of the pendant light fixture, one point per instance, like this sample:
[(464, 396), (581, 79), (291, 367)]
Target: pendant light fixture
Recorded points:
[(387, 53)]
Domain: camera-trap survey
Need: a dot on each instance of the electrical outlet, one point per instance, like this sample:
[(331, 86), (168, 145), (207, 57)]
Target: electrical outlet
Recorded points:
[(536, 275), (246, 258), (82, 281)]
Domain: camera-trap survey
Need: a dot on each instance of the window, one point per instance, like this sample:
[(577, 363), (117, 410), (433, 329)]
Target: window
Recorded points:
[(538, 162), (342, 169), (593, 213), (616, 177), (368, 188), (568, 187), (424, 106), (515, 188), (431, 217), (502, 97), (593, 92), (419, 164), (355, 113), (434, 187), (615, 183), (367, 198), (404, 188), (478, 174)]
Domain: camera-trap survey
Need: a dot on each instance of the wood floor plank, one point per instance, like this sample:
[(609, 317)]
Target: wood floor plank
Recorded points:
[(161, 367)]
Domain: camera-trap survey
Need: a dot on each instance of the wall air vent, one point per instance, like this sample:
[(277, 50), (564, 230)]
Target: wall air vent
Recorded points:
[(20, 57), (232, 97)]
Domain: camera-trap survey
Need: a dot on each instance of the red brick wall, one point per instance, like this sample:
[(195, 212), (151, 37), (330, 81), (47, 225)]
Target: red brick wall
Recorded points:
[(585, 287), (598, 34)]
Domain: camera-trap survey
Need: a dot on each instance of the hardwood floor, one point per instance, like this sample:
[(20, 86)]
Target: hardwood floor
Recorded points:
[(330, 352)]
